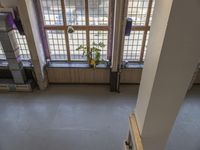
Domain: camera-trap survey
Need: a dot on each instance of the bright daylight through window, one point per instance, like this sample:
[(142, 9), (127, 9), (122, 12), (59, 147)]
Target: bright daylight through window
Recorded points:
[(135, 45), (89, 19)]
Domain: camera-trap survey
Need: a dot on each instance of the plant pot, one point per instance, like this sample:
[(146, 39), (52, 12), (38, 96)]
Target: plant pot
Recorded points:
[(93, 63)]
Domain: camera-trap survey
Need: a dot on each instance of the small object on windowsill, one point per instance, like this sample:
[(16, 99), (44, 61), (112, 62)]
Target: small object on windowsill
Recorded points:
[(107, 62), (30, 62), (93, 63), (128, 26), (124, 64), (70, 30)]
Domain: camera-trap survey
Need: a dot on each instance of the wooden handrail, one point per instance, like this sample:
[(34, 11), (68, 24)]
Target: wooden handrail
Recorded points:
[(135, 137)]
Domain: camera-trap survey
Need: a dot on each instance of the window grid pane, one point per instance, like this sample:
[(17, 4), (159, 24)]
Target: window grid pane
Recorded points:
[(132, 46), (98, 12), (2, 54), (75, 40), (23, 46), (57, 45), (52, 12), (75, 12), (137, 10), (97, 37)]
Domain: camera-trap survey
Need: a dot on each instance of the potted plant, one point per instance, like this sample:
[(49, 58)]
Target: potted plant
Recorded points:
[(94, 54)]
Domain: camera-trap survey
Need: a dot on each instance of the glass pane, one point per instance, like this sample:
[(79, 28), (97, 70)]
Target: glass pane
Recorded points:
[(57, 45), (132, 46), (2, 54), (137, 10), (98, 12), (75, 40), (52, 12), (97, 37), (75, 12), (23, 46)]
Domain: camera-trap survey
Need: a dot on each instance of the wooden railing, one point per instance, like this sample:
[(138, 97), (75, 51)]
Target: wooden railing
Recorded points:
[(133, 141)]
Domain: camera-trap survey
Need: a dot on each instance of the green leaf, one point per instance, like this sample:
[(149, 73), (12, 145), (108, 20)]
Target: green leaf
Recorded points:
[(101, 44), (80, 47), (94, 52)]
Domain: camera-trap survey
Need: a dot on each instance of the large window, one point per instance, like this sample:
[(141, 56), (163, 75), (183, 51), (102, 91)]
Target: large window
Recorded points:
[(90, 20), (135, 45)]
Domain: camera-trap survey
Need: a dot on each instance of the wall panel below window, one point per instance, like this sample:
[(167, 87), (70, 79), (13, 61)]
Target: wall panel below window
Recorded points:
[(78, 75), (95, 76), (131, 76)]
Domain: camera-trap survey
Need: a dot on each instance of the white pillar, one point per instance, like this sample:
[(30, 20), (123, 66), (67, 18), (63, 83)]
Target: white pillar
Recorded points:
[(118, 40), (118, 33), (172, 55), (31, 28)]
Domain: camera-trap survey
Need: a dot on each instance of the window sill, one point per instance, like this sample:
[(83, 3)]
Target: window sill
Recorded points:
[(26, 64), (133, 65), (74, 65)]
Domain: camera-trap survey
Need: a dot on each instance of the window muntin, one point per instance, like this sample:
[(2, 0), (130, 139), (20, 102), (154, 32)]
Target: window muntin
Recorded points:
[(141, 12), (81, 16)]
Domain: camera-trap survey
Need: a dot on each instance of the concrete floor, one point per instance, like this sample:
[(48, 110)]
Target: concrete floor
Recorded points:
[(69, 117)]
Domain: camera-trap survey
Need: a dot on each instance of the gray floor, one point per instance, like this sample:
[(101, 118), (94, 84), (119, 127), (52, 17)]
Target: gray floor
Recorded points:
[(69, 117)]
